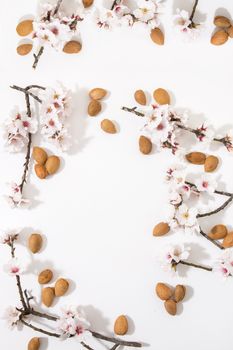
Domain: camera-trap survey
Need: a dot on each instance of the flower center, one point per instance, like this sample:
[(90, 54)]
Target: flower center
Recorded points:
[(15, 269), (26, 124), (160, 126), (205, 184)]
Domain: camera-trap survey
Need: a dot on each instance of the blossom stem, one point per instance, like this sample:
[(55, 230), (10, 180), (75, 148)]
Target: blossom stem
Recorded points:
[(197, 266), (115, 340), (26, 91), (193, 11), (37, 57), (115, 2), (41, 330)]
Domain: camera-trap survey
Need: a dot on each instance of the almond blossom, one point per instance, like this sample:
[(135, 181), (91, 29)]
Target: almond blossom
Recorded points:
[(185, 218), (205, 183), (73, 322), (185, 26), (148, 12), (14, 267), (224, 264), (11, 316), (9, 236), (172, 255), (15, 197)]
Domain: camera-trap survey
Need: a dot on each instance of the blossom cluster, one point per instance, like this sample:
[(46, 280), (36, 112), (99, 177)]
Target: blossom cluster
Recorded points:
[(15, 198), (186, 27), (55, 28), (146, 12), (73, 323)]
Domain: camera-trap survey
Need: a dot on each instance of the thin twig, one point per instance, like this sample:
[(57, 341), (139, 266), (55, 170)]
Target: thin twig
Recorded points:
[(57, 7), (115, 340), (43, 315), (26, 91), (211, 240), (37, 57), (197, 266), (86, 346), (41, 330), (222, 207), (193, 11)]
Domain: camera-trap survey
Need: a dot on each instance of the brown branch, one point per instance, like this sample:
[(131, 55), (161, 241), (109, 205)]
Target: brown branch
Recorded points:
[(41, 330), (37, 57), (222, 207), (26, 91), (211, 240), (197, 266), (57, 7), (193, 11), (133, 110), (115, 340), (86, 346)]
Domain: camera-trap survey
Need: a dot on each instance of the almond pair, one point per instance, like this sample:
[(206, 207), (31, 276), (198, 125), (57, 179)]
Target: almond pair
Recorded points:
[(170, 297), (210, 162), (221, 232), (46, 165), (49, 293), (224, 30)]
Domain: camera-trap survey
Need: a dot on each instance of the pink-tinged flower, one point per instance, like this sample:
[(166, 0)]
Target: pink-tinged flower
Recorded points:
[(9, 236), (15, 198), (106, 18), (172, 255), (205, 133), (73, 322), (228, 141), (11, 316), (206, 183), (186, 218), (145, 11), (14, 267), (184, 26), (224, 264)]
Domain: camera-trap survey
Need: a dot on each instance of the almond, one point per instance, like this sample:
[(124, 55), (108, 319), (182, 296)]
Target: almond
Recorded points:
[(157, 36), (40, 171), (87, 3), (161, 229), (161, 96), (61, 287), (39, 155), (35, 242), (219, 37), (145, 145), (170, 306), (140, 97), (228, 240), (163, 291), (211, 163), (179, 293), (97, 93), (47, 296), (218, 232), (121, 325), (222, 21), (45, 276), (230, 31), (94, 108), (72, 47), (52, 164), (24, 49), (197, 158), (34, 344), (108, 126), (25, 28)]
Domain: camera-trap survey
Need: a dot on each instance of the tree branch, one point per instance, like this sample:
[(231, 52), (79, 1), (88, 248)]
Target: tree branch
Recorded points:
[(41, 330), (222, 207), (37, 57), (115, 340), (211, 240), (197, 266), (193, 11)]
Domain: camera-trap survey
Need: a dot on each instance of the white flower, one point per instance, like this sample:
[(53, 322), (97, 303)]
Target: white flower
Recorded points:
[(177, 174), (205, 183), (186, 218), (15, 197), (106, 19), (145, 10), (183, 25), (224, 264), (73, 322), (11, 316), (9, 236), (172, 255), (14, 267)]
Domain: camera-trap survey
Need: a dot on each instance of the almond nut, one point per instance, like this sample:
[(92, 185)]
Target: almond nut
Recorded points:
[(228, 240), (222, 21), (197, 158), (161, 229), (157, 36), (145, 145), (87, 3), (40, 171), (211, 163), (163, 291), (24, 49), (140, 97), (161, 96), (218, 232), (179, 293), (39, 155), (108, 126), (72, 47), (230, 31), (45, 276), (61, 287), (94, 108), (34, 344), (97, 93), (52, 164), (47, 296), (170, 306), (35, 242), (219, 37), (121, 325), (25, 28)]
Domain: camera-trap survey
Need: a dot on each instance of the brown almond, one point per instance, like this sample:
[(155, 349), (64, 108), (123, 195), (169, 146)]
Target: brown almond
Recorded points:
[(211, 164), (163, 291), (25, 28), (52, 164), (94, 108), (145, 145), (45, 276), (218, 232), (35, 242), (72, 47), (197, 158), (157, 36), (230, 31), (40, 171), (170, 306), (87, 3), (161, 96), (34, 344), (161, 229), (228, 240), (121, 325), (140, 97), (47, 296), (61, 287), (179, 293), (97, 93), (39, 155), (24, 49), (219, 37), (222, 21), (108, 126)]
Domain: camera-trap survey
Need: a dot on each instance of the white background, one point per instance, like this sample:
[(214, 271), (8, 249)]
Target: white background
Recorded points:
[(98, 212)]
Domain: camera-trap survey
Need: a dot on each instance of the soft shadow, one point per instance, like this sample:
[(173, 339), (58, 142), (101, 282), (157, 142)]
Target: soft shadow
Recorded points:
[(96, 318)]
